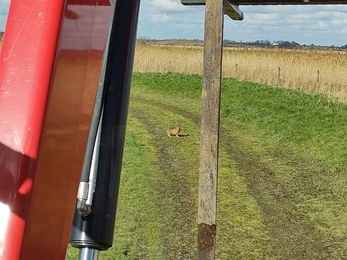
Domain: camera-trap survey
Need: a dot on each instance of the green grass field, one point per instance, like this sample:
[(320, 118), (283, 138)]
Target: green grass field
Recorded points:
[(282, 173)]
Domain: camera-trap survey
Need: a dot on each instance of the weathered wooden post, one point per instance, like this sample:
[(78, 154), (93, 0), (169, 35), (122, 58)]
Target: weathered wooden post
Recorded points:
[(211, 90)]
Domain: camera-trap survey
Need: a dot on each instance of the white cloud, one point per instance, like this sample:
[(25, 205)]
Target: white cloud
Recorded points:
[(163, 19), (4, 5), (316, 24), (168, 5), (159, 18), (304, 24)]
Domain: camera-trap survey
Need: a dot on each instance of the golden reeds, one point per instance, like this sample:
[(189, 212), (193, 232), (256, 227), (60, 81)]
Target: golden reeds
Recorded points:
[(167, 58), (321, 71)]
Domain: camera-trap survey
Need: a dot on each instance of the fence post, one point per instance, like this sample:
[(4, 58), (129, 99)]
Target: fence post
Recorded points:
[(211, 90), (279, 75)]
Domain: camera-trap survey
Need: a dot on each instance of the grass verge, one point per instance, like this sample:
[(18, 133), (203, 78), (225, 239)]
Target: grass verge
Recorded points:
[(282, 173)]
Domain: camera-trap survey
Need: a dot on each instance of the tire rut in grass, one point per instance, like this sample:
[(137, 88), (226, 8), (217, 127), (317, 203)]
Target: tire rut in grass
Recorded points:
[(178, 204), (176, 110), (291, 235)]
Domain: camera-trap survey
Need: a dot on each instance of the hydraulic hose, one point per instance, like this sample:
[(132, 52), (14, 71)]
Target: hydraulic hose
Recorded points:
[(95, 231), (84, 190)]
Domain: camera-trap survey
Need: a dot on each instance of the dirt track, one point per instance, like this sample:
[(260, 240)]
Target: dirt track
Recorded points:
[(290, 234)]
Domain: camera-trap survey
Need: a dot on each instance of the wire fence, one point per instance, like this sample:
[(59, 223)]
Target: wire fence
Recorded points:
[(308, 70)]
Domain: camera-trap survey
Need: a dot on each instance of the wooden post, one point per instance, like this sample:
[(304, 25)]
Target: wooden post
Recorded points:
[(211, 91)]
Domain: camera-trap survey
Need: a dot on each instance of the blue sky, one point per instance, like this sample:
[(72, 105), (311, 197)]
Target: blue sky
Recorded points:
[(168, 19)]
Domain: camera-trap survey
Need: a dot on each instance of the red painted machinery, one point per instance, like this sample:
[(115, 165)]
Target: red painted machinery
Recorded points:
[(65, 69), (51, 69)]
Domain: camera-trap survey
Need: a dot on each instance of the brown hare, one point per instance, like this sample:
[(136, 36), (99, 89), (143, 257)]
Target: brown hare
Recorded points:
[(174, 131)]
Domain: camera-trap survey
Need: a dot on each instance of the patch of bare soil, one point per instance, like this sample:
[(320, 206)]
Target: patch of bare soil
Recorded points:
[(290, 233)]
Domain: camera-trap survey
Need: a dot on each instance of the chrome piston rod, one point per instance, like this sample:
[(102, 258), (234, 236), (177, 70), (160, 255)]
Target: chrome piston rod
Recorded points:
[(87, 253)]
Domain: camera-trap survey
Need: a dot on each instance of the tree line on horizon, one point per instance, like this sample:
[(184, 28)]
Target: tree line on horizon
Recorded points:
[(258, 43)]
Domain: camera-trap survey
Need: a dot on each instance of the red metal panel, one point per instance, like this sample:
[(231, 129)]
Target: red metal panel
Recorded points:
[(41, 160), (75, 78), (26, 61)]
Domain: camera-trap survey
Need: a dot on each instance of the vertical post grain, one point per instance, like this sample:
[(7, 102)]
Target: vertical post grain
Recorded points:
[(211, 92)]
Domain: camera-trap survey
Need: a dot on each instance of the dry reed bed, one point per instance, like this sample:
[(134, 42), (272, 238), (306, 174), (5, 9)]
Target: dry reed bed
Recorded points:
[(309, 70)]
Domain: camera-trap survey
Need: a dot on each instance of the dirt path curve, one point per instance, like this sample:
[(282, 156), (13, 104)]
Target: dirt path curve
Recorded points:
[(176, 201), (290, 234)]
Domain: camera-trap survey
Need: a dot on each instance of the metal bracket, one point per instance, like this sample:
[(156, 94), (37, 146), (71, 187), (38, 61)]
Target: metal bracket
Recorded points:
[(230, 9)]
